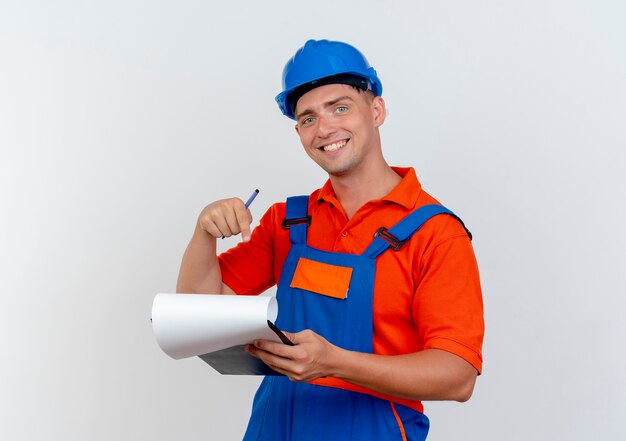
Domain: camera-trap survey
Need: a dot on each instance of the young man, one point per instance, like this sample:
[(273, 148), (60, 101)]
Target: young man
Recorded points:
[(378, 286)]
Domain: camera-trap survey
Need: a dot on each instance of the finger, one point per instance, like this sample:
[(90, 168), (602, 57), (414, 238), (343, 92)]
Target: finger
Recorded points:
[(229, 224), (277, 349), (211, 221), (216, 225), (244, 219), (219, 218), (276, 362), (293, 365), (210, 228)]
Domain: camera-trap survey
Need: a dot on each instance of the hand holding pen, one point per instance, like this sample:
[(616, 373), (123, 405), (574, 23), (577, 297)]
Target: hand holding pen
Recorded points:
[(228, 217), (249, 201)]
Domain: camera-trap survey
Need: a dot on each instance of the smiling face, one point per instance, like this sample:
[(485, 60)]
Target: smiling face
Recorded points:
[(338, 127)]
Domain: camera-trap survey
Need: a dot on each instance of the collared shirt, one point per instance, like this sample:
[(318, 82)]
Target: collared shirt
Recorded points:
[(426, 295)]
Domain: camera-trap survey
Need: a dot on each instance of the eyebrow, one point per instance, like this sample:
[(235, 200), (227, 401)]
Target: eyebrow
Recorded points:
[(325, 105)]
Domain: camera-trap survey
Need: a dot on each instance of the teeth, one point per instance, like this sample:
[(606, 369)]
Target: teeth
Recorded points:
[(333, 147)]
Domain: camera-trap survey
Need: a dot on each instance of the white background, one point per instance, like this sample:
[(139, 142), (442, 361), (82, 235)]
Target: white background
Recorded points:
[(120, 120)]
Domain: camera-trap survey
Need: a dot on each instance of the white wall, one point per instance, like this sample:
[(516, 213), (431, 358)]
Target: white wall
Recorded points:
[(120, 120)]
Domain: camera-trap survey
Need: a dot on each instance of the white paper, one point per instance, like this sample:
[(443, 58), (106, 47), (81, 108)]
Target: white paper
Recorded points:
[(186, 325)]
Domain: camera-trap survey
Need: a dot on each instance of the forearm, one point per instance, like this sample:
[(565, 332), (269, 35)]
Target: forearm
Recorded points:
[(200, 271), (432, 374)]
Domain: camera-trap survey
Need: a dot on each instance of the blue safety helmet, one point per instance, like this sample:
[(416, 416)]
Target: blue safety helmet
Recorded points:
[(321, 62)]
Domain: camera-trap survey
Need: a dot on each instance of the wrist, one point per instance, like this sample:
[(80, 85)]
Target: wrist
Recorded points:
[(338, 360)]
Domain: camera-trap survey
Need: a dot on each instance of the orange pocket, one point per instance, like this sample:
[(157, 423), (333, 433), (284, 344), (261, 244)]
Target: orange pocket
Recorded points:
[(322, 278)]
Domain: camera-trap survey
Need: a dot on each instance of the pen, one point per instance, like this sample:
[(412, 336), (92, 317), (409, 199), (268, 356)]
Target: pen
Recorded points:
[(251, 198), (249, 201)]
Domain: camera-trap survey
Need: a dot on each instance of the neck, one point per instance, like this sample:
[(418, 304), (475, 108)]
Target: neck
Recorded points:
[(355, 190)]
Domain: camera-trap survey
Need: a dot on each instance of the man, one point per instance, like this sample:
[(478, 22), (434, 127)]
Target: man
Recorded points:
[(382, 316)]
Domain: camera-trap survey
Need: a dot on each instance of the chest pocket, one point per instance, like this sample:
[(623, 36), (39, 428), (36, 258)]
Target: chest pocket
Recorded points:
[(322, 278)]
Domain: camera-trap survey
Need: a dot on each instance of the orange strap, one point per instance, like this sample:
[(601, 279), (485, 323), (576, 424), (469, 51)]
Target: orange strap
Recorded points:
[(398, 420)]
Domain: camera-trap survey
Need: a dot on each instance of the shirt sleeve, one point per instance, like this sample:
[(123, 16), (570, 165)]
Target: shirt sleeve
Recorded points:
[(448, 306), (248, 268)]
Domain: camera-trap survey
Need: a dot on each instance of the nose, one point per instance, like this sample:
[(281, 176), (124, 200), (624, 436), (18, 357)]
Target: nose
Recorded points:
[(326, 126)]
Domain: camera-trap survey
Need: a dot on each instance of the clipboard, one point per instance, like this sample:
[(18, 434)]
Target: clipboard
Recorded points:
[(236, 361)]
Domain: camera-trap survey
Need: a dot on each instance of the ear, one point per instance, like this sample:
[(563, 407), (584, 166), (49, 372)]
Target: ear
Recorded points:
[(379, 111), (297, 129)]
